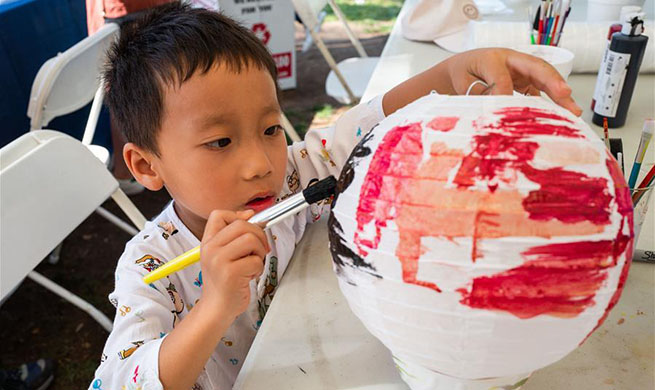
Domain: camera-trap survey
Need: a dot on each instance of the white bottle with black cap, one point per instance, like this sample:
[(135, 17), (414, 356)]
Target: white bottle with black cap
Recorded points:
[(618, 72)]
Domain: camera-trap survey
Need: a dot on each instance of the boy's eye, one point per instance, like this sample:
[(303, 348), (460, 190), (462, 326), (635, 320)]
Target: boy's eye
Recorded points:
[(273, 130), (220, 143)]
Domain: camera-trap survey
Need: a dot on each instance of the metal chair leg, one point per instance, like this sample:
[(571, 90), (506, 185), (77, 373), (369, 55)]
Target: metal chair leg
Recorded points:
[(96, 314)]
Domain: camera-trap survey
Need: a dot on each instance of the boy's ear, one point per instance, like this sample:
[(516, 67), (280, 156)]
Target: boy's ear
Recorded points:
[(140, 163)]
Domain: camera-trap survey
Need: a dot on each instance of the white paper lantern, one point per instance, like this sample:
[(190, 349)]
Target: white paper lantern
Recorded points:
[(481, 238)]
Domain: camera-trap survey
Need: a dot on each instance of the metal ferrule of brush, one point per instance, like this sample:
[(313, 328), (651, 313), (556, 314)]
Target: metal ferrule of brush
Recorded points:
[(276, 213)]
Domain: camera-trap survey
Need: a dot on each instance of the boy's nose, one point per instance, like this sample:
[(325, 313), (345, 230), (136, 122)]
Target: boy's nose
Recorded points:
[(256, 164)]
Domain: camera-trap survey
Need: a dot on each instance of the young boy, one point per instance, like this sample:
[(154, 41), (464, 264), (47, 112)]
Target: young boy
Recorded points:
[(196, 96)]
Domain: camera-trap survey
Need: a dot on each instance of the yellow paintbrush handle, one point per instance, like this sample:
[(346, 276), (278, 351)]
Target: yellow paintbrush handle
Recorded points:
[(182, 261)]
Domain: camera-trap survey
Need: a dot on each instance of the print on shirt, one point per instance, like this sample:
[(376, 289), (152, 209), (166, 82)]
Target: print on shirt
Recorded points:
[(124, 310), (284, 197), (198, 281), (149, 263), (293, 181), (169, 229), (124, 354), (176, 318), (139, 316), (190, 306), (269, 287), (326, 155), (175, 297)]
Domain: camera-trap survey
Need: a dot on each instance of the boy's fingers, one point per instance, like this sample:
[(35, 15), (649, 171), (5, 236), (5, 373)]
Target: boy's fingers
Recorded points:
[(245, 214), (245, 245), (544, 77), (250, 266), (236, 229), (218, 219)]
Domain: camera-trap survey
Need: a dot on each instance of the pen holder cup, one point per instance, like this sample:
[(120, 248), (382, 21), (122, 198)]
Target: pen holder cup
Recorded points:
[(641, 198)]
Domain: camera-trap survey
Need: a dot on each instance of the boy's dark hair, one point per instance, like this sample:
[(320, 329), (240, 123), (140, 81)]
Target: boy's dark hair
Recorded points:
[(167, 46)]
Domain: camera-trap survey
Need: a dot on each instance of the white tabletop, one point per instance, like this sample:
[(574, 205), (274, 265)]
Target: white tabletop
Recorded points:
[(311, 340)]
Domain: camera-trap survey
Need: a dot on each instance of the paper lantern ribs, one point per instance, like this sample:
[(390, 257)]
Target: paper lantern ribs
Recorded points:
[(480, 237)]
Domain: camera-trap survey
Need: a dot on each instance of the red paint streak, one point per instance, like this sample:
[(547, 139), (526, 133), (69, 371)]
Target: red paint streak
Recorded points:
[(577, 255), (567, 196), (443, 123), (480, 221), (529, 292), (525, 121), (136, 373), (558, 279), (395, 161), (623, 243), (401, 145), (495, 157), (563, 195)]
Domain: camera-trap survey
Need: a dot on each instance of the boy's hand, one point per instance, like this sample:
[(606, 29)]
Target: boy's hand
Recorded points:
[(232, 253), (507, 71)]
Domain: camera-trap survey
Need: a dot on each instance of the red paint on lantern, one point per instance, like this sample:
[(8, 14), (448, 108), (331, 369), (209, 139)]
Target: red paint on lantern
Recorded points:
[(558, 279), (443, 123)]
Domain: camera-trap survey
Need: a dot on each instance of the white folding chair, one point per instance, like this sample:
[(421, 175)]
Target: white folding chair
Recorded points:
[(68, 82), (347, 79), (49, 183)]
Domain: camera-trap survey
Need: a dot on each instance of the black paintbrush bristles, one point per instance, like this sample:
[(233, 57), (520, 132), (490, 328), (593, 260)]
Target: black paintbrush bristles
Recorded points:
[(321, 190)]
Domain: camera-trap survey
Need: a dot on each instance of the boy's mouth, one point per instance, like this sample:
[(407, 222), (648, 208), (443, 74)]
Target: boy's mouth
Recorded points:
[(261, 202)]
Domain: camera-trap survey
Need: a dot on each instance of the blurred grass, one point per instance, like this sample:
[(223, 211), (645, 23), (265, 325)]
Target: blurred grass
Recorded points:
[(377, 16), (323, 112)]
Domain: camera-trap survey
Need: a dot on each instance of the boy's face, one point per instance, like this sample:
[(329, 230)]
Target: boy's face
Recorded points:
[(221, 143)]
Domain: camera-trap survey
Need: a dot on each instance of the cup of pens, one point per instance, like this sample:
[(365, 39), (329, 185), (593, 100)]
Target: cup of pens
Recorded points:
[(547, 26), (641, 180), (641, 197), (549, 21)]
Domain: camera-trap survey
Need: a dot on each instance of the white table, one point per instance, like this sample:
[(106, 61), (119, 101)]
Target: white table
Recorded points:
[(311, 340)]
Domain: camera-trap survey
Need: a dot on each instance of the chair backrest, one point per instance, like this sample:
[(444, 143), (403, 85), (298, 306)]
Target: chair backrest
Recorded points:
[(308, 11), (68, 81), (49, 183)]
